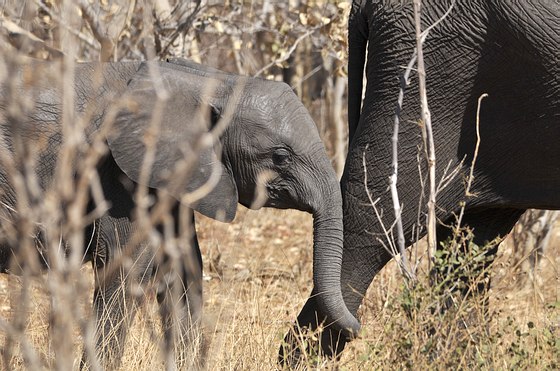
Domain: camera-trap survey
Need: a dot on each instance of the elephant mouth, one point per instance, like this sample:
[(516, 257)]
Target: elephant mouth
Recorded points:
[(275, 193), (267, 197), (280, 198)]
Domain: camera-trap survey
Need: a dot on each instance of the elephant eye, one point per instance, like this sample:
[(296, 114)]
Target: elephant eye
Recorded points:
[(281, 157)]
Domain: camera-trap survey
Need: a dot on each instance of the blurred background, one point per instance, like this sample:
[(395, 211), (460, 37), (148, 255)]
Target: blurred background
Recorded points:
[(300, 42)]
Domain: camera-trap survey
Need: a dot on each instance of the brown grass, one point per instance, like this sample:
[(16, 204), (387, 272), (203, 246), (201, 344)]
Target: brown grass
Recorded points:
[(257, 277)]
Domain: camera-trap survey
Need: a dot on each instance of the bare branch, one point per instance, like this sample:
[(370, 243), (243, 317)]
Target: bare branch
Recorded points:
[(392, 249), (107, 45), (288, 53), (471, 176), (22, 39), (395, 169), (66, 26), (475, 155), (427, 127)]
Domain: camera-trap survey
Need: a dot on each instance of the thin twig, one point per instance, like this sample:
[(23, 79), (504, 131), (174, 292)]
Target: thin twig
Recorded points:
[(425, 33), (288, 53), (427, 128), (107, 45), (88, 40), (475, 156), (394, 174), (471, 174), (391, 248)]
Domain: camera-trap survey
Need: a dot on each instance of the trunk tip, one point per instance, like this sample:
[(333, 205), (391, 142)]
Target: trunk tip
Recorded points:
[(350, 327)]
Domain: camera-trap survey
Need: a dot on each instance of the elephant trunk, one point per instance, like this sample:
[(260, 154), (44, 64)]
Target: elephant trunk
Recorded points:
[(327, 263)]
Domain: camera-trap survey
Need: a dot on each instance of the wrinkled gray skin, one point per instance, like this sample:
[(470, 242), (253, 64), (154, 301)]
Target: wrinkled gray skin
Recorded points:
[(504, 48), (270, 131)]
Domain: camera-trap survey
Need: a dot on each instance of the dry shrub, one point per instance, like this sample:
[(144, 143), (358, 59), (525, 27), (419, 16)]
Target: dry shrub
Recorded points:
[(505, 328)]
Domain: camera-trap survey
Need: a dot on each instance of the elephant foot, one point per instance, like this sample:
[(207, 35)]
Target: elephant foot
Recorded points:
[(305, 348), (309, 342)]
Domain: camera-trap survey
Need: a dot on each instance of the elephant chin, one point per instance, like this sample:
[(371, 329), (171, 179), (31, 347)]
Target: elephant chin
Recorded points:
[(327, 263)]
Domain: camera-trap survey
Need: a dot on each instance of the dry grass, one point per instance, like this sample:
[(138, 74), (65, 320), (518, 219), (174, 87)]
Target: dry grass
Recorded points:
[(257, 277)]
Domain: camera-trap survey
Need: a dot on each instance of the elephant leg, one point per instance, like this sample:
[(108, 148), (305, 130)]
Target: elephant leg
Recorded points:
[(297, 347), (119, 288), (179, 281), (487, 226)]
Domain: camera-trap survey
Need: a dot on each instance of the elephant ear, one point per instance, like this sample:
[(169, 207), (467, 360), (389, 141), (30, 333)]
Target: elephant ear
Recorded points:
[(185, 163)]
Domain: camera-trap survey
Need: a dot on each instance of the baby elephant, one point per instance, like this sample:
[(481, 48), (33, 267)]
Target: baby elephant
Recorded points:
[(188, 136)]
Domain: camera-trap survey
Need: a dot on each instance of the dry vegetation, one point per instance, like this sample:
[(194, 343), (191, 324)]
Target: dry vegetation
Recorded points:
[(257, 270), (258, 275)]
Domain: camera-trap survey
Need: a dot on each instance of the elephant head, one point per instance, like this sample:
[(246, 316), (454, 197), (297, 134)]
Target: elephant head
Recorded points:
[(219, 139)]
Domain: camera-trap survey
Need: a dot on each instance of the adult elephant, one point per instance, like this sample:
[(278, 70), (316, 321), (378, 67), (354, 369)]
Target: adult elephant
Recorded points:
[(506, 49), (211, 140)]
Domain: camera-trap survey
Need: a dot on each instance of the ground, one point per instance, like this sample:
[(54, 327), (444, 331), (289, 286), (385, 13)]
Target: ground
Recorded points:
[(257, 275)]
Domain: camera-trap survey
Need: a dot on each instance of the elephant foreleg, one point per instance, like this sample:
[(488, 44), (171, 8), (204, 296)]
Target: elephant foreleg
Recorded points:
[(296, 349), (121, 273), (179, 281)]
